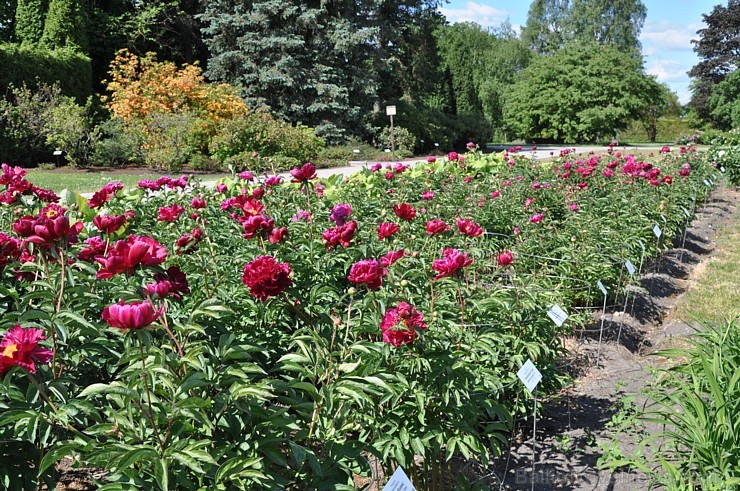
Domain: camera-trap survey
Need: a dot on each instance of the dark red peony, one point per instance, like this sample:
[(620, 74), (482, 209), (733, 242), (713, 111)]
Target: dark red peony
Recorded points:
[(404, 211), (451, 263), (399, 325), (265, 277), (367, 271)]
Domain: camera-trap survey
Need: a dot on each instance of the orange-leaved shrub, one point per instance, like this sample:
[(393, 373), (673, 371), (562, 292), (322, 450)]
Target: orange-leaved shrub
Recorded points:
[(175, 115)]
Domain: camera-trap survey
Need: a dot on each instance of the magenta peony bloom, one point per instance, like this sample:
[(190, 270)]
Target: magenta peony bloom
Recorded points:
[(469, 227), (265, 277), (273, 181), (198, 203), (105, 194), (20, 347), (188, 243), (404, 211), (307, 172), (277, 235), (10, 249), (170, 213), (109, 223), (399, 324), (391, 257), (452, 156), (246, 175), (125, 255), (505, 258), (367, 271), (436, 227), (301, 215), (339, 235), (172, 282), (451, 263), (376, 167), (340, 213), (257, 225), (387, 229), (428, 194), (51, 226), (536, 218), (135, 315)]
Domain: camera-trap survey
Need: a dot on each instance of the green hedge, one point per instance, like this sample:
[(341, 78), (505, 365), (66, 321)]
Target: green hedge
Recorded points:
[(34, 65)]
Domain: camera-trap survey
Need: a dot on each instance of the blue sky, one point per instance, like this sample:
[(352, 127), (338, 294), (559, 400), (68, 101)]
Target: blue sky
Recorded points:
[(666, 37)]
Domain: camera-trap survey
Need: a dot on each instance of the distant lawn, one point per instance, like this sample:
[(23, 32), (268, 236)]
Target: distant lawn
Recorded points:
[(89, 182)]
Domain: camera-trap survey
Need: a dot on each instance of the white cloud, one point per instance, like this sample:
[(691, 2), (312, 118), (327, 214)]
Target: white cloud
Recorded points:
[(485, 15), (664, 36), (667, 70)]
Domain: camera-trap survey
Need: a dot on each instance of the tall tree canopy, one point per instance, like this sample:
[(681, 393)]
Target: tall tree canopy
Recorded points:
[(583, 92), (30, 16), (718, 48), (551, 24)]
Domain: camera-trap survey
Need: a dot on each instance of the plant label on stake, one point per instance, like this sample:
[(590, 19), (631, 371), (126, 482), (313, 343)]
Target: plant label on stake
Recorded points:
[(630, 267), (529, 375), (557, 315), (657, 231), (601, 287), (665, 222), (686, 212), (722, 170), (707, 184), (399, 481)]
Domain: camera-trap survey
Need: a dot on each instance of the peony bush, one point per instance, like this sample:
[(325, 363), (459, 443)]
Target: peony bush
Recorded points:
[(287, 334)]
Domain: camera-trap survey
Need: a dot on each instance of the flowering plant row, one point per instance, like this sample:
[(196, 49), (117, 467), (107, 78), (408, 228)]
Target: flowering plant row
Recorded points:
[(282, 333)]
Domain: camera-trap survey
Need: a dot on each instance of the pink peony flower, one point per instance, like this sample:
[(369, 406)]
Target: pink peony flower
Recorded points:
[(536, 218), (387, 229), (399, 324), (307, 172), (391, 257), (265, 277), (436, 227), (404, 211), (451, 263), (506, 258), (135, 315), (20, 347), (170, 213), (367, 271)]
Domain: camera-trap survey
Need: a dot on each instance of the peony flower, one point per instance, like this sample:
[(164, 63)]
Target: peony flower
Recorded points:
[(257, 225), (301, 215), (428, 194), (20, 347), (505, 259), (387, 229), (277, 235), (536, 218), (574, 207), (221, 188), (389, 175), (104, 195), (452, 156), (170, 213), (307, 172), (339, 213), (172, 282), (51, 226), (367, 271), (339, 235), (451, 263), (246, 175), (391, 257), (399, 324), (495, 194), (273, 181), (125, 255), (376, 167), (198, 203), (10, 249), (436, 227), (469, 227), (265, 277), (109, 224), (404, 211), (135, 315), (94, 246)]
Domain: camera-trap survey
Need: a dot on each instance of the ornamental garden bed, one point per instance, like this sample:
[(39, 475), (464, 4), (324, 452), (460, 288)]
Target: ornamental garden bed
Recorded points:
[(286, 335)]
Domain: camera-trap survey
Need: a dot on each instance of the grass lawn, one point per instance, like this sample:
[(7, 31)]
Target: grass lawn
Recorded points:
[(91, 181), (716, 294)]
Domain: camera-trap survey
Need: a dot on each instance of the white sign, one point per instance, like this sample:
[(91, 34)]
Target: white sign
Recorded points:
[(390, 110), (601, 287), (356, 150), (557, 315), (529, 375), (630, 267), (399, 481), (657, 231), (57, 152), (722, 170), (706, 183)]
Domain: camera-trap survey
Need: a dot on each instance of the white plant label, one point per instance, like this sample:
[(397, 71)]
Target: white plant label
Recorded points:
[(706, 183), (657, 231), (722, 170), (686, 212), (630, 267), (399, 481), (557, 315), (642, 244), (529, 375), (601, 287), (663, 218)]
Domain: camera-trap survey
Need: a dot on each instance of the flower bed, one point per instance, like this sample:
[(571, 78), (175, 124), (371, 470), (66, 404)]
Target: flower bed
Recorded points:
[(279, 334)]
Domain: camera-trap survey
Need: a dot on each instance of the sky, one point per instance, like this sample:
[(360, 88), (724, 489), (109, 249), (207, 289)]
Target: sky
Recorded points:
[(666, 36)]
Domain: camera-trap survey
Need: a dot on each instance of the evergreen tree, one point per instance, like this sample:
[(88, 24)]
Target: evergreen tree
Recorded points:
[(7, 20), (304, 60), (65, 26), (29, 20)]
